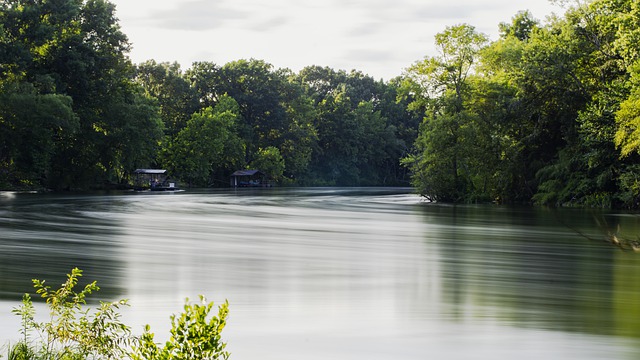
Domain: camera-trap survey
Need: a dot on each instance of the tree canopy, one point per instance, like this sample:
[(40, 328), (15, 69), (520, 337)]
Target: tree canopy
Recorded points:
[(71, 114), (548, 115)]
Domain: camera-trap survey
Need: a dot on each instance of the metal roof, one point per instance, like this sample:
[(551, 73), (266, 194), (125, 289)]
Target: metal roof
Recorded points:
[(246, 172), (150, 171)]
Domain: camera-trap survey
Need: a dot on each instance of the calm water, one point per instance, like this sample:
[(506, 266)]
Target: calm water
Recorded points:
[(340, 273)]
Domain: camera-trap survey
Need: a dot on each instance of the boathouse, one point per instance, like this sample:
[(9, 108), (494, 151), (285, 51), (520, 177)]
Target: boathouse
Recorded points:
[(153, 179), (249, 178)]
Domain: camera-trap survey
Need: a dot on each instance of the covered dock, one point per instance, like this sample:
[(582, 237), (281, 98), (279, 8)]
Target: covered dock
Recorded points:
[(250, 178), (153, 179)]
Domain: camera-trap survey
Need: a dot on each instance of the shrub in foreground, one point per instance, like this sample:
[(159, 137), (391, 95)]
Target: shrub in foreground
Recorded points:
[(192, 335), (74, 332)]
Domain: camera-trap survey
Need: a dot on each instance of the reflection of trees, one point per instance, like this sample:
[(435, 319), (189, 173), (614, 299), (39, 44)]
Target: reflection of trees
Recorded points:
[(627, 295), (44, 237), (613, 232), (522, 267), (622, 231)]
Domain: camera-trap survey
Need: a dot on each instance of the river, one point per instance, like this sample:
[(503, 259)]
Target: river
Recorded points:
[(336, 273)]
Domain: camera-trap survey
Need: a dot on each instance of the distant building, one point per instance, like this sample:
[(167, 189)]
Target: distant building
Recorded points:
[(153, 179), (250, 178)]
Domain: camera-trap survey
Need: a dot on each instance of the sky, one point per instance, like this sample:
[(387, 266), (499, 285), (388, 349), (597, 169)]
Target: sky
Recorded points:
[(380, 38)]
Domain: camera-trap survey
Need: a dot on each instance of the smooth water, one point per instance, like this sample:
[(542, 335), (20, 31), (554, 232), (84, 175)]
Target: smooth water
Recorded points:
[(340, 273)]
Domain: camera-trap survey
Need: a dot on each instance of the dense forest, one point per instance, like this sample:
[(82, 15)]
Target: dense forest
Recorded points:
[(547, 114)]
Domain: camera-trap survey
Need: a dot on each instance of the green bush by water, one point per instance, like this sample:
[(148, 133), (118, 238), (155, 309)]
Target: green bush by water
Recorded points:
[(75, 332)]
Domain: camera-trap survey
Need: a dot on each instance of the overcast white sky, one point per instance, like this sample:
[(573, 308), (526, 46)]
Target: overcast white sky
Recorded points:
[(378, 37)]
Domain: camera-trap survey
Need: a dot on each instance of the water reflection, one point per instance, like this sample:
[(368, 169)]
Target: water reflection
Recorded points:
[(344, 273), (526, 269), (44, 237)]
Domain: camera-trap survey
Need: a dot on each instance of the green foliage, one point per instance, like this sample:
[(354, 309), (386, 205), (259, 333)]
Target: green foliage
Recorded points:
[(31, 127), (82, 115), (546, 114), (627, 136), (442, 162), (593, 83), (194, 335), (176, 97), (120, 117), (361, 129), (71, 332), (521, 27), (273, 111), (26, 312), (74, 332), (549, 116), (270, 162), (22, 351), (630, 186), (261, 93), (207, 143)]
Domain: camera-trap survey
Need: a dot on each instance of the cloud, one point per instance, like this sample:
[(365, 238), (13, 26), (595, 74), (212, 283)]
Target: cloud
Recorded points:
[(379, 37), (198, 15), (270, 24), (366, 29), (368, 55), (443, 12)]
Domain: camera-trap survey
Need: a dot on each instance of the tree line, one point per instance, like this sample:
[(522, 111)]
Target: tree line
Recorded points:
[(75, 113), (547, 114)]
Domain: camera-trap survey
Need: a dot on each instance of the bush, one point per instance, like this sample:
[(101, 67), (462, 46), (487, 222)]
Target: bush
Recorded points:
[(193, 336), (75, 333), (71, 332)]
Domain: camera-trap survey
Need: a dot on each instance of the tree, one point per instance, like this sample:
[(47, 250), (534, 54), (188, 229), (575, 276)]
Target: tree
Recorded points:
[(441, 88), (206, 79), (209, 142), (627, 140), (270, 162), (300, 138), (259, 91), (167, 84), (336, 158), (627, 137), (521, 27), (274, 111), (358, 121), (136, 135), (33, 128), (75, 49), (401, 131), (627, 26), (590, 79)]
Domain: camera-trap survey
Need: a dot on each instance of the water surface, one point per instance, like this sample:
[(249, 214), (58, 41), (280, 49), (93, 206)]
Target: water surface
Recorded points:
[(340, 273)]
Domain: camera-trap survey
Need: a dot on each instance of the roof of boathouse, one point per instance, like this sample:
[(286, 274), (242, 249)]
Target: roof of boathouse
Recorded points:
[(150, 171), (247, 173)]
